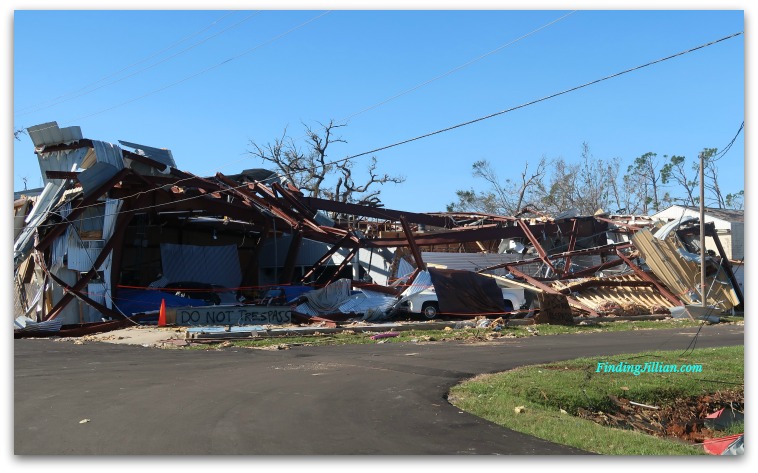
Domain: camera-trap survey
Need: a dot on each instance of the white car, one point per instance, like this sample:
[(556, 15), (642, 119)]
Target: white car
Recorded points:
[(425, 302)]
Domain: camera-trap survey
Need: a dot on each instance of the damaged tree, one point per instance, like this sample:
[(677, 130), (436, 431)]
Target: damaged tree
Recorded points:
[(310, 170)]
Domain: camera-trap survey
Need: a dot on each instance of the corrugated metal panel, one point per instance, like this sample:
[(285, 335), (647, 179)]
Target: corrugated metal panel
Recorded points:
[(70, 313), (375, 264), (108, 153), (680, 275), (218, 265), (49, 197), (161, 155), (95, 176), (361, 303), (422, 281), (96, 292), (645, 296), (60, 161), (82, 253), (404, 268), (478, 261), (50, 134)]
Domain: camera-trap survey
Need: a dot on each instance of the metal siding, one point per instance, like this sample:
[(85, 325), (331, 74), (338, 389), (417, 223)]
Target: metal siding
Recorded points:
[(680, 275), (645, 296), (50, 134), (23, 244), (738, 241), (82, 253), (218, 265), (60, 161), (163, 156)]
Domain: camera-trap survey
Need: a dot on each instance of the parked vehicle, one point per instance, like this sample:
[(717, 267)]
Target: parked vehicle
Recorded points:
[(426, 304)]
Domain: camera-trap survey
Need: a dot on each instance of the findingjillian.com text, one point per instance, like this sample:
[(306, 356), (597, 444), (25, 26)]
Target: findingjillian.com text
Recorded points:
[(648, 367)]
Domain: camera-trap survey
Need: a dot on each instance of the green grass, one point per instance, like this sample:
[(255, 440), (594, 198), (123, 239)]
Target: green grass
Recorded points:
[(546, 391), (467, 334)]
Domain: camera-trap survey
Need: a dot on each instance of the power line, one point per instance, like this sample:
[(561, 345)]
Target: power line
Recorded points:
[(451, 71), (587, 84), (526, 104), (729, 146)]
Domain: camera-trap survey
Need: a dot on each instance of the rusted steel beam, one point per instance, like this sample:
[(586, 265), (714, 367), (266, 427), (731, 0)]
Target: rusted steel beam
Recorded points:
[(122, 221), (244, 190), (86, 202), (572, 244), (412, 243), (725, 263), (334, 248), (294, 202), (83, 297), (289, 262), (590, 271), (492, 232), (274, 203), (250, 277), (376, 212), (536, 244), (642, 274), (551, 290), (588, 251)]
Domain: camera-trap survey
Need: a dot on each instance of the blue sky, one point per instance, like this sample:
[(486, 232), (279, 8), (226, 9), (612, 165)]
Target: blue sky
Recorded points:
[(246, 76)]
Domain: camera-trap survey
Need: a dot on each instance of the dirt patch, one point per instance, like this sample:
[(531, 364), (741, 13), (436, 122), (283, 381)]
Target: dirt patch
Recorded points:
[(683, 419)]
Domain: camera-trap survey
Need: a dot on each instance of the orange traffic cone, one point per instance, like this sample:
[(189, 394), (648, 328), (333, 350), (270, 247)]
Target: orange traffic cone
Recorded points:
[(162, 314)]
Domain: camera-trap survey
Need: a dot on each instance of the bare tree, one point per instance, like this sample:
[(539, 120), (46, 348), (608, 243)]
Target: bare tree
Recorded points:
[(504, 197), (346, 189), (311, 171)]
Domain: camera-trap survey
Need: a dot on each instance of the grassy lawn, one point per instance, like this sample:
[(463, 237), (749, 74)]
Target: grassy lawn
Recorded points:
[(465, 334), (552, 393)]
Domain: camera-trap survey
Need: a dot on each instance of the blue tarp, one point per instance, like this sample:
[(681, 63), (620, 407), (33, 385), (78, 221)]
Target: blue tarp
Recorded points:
[(133, 301)]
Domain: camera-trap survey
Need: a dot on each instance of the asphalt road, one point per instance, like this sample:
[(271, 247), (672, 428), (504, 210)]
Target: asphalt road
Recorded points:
[(361, 399)]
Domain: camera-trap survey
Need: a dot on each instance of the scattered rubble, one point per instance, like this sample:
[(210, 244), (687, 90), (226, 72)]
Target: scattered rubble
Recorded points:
[(116, 234), (684, 419)]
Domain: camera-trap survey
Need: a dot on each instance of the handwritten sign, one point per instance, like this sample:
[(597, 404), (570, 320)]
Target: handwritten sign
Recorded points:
[(234, 315)]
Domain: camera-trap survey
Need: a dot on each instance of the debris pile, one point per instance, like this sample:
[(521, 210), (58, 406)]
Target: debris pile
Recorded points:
[(116, 234), (684, 419)]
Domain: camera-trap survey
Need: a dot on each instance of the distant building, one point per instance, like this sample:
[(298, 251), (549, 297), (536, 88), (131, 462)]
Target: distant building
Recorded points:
[(730, 226)]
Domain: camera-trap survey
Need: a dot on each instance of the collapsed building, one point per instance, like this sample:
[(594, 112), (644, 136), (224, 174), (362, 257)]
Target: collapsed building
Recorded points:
[(118, 231)]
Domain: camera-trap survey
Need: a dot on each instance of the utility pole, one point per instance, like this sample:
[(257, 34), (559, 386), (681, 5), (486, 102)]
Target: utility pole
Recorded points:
[(702, 231)]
